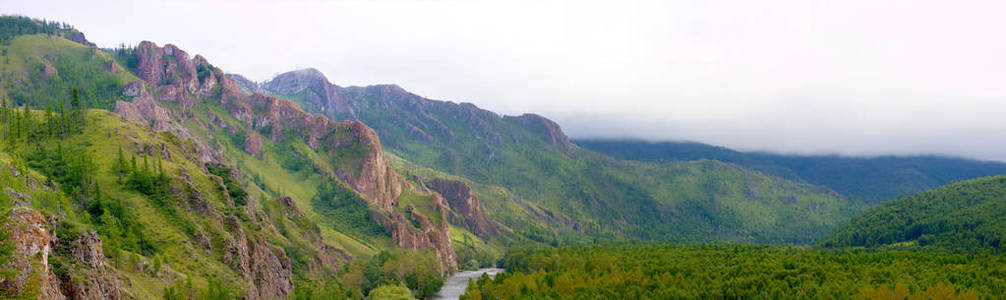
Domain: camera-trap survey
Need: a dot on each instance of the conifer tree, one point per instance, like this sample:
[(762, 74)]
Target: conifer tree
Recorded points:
[(120, 165), (49, 121), (75, 109), (5, 118), (3, 111), (63, 119), (160, 169)]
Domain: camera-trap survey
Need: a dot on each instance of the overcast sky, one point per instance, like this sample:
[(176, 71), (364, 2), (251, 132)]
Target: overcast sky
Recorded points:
[(845, 77)]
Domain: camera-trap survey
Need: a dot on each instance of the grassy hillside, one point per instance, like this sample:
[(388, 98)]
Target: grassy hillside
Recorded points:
[(39, 67), (725, 271), (574, 195), (967, 217), (876, 179), (167, 222), (148, 221)]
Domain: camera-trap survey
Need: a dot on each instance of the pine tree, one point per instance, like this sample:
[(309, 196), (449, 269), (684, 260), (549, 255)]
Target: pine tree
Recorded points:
[(49, 121), (160, 169), (63, 119), (120, 165), (3, 111), (146, 165), (5, 118), (75, 110)]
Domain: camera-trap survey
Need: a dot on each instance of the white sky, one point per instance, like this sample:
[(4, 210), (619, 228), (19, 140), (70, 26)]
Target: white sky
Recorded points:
[(846, 77)]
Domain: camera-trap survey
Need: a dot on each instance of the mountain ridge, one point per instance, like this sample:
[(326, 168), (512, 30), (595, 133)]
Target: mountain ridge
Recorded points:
[(329, 199), (531, 156), (875, 179)]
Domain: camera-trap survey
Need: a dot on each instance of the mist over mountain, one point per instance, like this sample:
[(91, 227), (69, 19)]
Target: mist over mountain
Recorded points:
[(783, 76), (877, 179), (146, 171)]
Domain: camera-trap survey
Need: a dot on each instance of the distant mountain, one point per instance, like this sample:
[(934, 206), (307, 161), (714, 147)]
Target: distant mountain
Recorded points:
[(968, 216), (559, 193), (876, 179)]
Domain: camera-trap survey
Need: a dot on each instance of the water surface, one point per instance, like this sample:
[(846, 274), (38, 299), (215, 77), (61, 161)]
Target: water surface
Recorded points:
[(455, 285)]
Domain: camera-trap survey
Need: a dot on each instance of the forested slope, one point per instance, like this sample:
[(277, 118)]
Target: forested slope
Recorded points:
[(192, 188), (875, 179), (967, 217), (573, 195)]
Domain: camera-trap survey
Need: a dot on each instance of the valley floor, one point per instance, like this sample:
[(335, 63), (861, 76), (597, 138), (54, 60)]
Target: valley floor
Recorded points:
[(734, 271)]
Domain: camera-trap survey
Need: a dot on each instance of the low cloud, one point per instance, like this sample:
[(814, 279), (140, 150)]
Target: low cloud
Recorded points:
[(847, 77)]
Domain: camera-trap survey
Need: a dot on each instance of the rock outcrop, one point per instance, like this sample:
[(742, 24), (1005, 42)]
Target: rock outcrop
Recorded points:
[(170, 75), (247, 86), (78, 37), (426, 234), (267, 268), (376, 179), (315, 88), (31, 239), (112, 67), (101, 281), (253, 144), (464, 202)]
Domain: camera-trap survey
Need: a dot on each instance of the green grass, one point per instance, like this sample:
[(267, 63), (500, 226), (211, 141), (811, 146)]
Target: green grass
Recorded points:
[(300, 186), (77, 66), (556, 195)]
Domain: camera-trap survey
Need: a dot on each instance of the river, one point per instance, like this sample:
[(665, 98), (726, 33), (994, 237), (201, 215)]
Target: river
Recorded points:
[(455, 285)]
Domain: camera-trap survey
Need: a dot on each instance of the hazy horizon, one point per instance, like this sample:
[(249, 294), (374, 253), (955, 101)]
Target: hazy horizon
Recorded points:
[(805, 77)]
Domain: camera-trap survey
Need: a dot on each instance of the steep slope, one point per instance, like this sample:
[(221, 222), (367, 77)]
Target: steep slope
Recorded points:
[(347, 152), (154, 224), (214, 190), (876, 179), (585, 196), (968, 216)]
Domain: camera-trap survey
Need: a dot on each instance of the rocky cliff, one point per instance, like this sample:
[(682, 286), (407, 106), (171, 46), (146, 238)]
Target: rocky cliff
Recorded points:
[(313, 87), (98, 280), (465, 203), (267, 268), (171, 76), (31, 239)]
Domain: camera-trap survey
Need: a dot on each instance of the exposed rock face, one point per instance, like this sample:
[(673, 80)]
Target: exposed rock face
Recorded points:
[(246, 85), (253, 144), (112, 67), (463, 201), (427, 236), (261, 111), (166, 65), (376, 180), (315, 87), (30, 258), (174, 76), (101, 282), (267, 268), (133, 89), (168, 71), (329, 257), (424, 118), (146, 110), (78, 37), (130, 111)]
